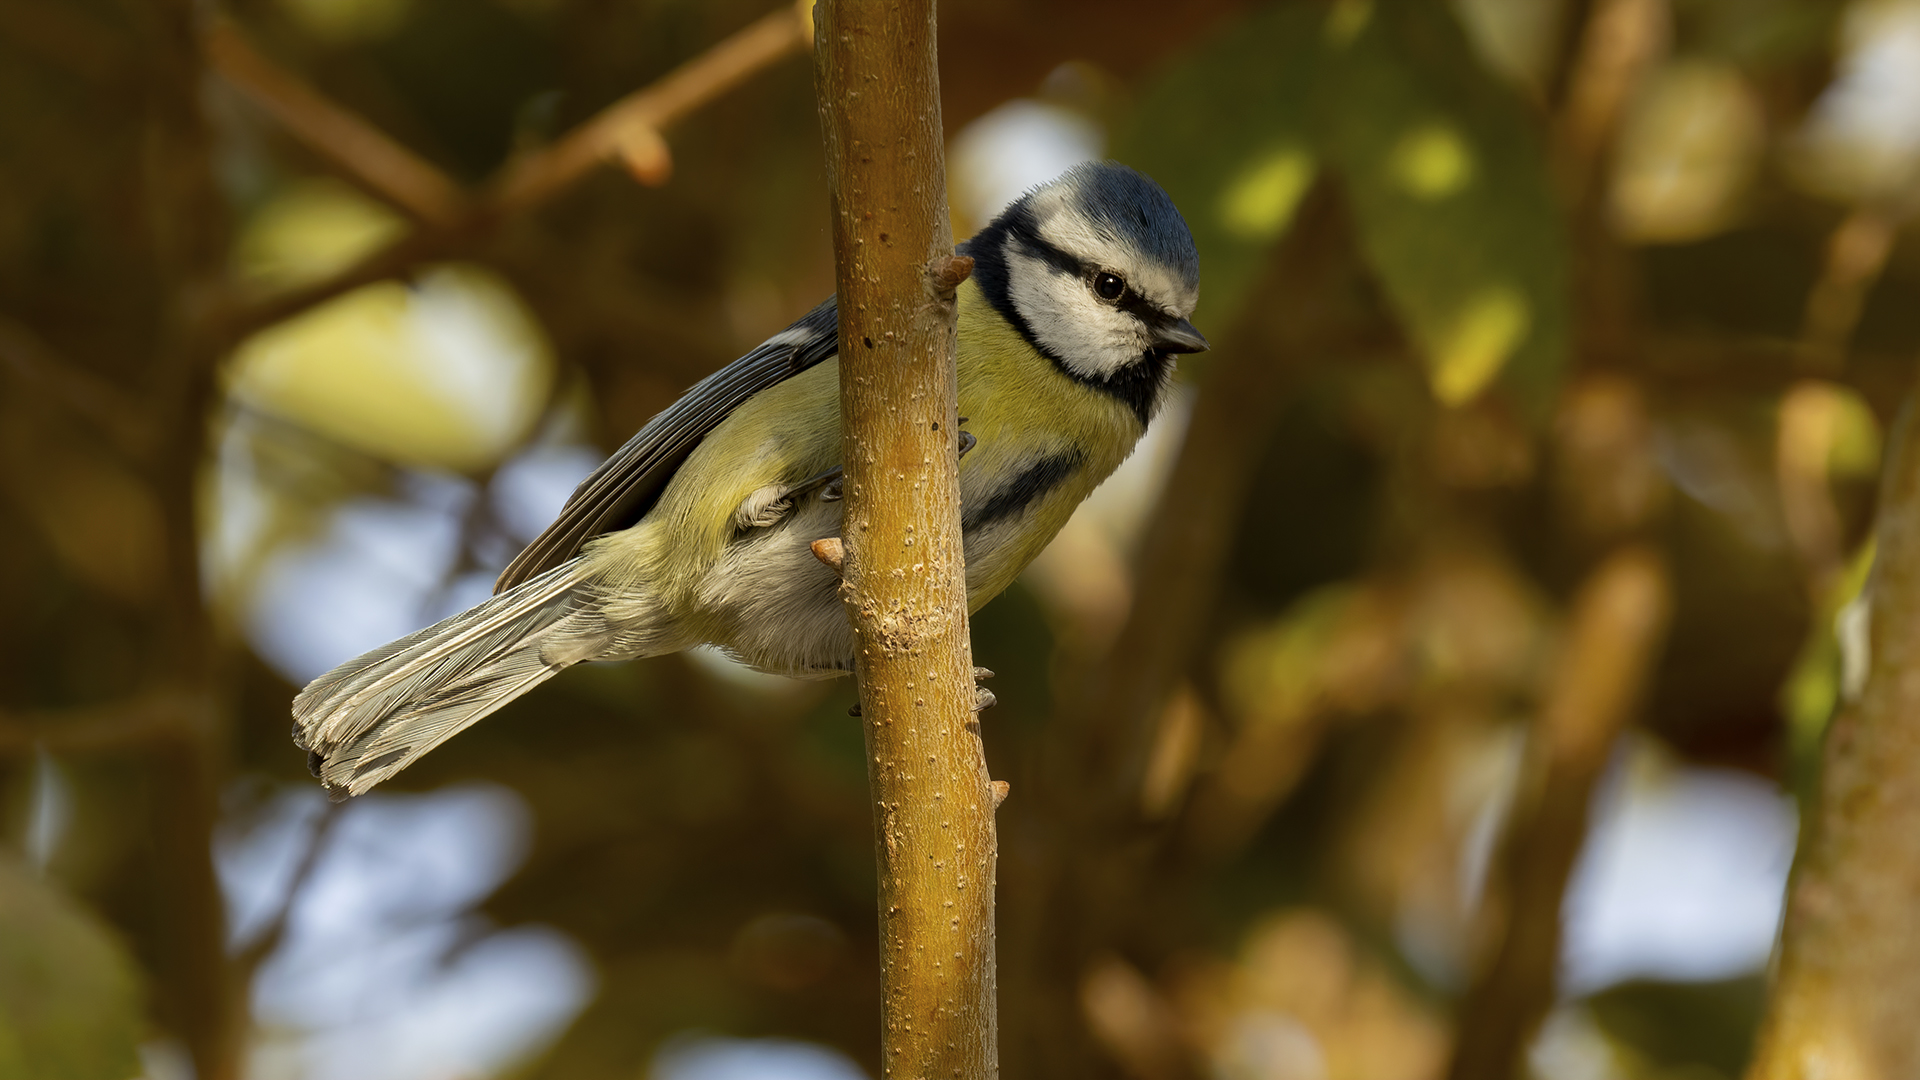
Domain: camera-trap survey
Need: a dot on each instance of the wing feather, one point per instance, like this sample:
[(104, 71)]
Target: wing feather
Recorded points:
[(626, 485)]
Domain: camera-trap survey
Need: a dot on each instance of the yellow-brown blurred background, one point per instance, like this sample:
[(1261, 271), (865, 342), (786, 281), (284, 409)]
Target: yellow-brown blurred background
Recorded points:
[(1482, 579)]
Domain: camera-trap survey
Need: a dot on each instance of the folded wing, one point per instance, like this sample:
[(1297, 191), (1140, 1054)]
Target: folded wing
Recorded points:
[(626, 485)]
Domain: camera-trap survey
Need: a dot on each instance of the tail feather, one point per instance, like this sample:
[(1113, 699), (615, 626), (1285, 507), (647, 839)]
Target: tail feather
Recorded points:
[(374, 715)]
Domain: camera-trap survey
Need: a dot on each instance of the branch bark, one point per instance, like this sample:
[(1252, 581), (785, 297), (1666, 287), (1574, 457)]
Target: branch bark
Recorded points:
[(1842, 1005), (903, 570)]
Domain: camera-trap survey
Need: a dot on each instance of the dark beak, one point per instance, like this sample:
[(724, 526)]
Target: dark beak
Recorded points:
[(1179, 337)]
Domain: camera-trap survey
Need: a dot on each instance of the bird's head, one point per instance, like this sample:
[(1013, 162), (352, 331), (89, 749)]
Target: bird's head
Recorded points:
[(1098, 271)]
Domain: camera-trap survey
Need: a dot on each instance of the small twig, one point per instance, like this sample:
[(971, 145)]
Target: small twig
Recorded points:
[(539, 176), (949, 271), (391, 170), (832, 551)]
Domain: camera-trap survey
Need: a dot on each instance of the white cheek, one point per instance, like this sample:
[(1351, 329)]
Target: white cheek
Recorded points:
[(1092, 338)]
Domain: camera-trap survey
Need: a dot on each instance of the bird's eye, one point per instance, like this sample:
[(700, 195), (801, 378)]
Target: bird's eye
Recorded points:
[(1109, 286)]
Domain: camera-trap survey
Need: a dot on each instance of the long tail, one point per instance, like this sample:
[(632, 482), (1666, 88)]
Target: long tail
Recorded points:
[(374, 715)]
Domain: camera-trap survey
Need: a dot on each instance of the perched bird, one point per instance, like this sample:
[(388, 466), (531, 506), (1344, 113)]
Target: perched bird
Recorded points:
[(698, 529)]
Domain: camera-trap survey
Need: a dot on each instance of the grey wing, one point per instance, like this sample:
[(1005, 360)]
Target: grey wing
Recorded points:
[(626, 485)]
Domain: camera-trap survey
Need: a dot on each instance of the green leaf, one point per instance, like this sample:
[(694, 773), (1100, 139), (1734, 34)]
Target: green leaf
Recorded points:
[(69, 1000), (1228, 132), (1447, 175), (1445, 170)]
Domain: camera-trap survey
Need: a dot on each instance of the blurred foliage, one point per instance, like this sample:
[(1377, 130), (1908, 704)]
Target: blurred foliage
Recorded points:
[(1446, 172), (1532, 357), (1677, 1025), (69, 997)]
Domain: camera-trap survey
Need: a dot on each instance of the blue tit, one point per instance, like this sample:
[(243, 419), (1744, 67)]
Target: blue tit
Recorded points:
[(698, 530)]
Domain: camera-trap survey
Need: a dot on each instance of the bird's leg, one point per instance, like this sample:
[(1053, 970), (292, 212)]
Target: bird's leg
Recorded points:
[(829, 480), (983, 698)]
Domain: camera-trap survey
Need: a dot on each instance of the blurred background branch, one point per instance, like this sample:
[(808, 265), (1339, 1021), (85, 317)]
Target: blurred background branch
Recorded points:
[(117, 727), (362, 151), (1614, 632), (626, 132)]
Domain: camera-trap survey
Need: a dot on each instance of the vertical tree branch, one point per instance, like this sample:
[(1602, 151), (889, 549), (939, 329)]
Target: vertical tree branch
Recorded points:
[(1842, 1007), (202, 1003), (904, 572), (188, 222)]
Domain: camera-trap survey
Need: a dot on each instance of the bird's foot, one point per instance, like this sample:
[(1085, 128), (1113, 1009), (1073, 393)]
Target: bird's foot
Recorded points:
[(983, 698)]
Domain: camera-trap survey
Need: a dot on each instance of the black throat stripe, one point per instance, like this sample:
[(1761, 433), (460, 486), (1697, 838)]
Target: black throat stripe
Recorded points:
[(1138, 385), (1033, 483)]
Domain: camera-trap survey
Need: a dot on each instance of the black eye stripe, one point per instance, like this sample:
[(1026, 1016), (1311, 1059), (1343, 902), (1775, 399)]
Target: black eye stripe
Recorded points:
[(1130, 301)]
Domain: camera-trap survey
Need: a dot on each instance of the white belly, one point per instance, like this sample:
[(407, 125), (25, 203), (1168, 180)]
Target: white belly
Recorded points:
[(776, 607)]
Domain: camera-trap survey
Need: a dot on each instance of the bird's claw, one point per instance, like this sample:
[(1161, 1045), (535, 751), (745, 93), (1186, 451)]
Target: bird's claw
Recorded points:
[(983, 698)]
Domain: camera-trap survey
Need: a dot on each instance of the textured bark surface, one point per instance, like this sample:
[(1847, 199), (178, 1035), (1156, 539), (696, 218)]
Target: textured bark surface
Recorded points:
[(904, 574), (1843, 1004)]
